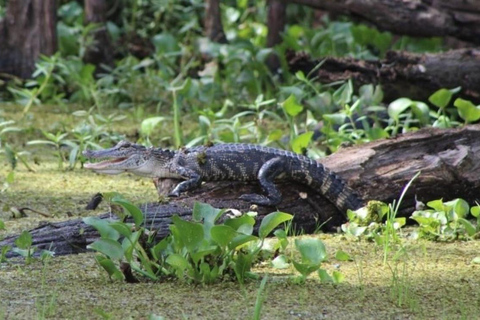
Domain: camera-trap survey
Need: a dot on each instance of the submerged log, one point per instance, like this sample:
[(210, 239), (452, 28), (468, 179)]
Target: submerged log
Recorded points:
[(449, 161)]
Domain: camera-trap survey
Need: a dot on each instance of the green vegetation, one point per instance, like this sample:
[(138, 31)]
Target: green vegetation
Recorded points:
[(189, 91)]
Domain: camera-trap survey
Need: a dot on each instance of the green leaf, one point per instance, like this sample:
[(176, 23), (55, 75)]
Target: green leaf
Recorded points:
[(397, 107), (312, 250), (207, 213), (469, 227), (191, 233), (342, 256), (271, 221), (108, 247), (338, 277), (110, 267), (305, 268), (475, 211), (300, 143), (291, 107), (106, 231), (436, 204), (476, 260), (441, 98), (467, 110), (122, 228), (2, 225), (131, 209), (240, 240), (177, 261), (149, 124), (324, 276), (223, 234), (280, 262), (24, 241), (242, 224)]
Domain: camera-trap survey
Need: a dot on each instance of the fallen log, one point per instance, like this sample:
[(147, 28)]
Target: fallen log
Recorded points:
[(401, 74), (449, 161)]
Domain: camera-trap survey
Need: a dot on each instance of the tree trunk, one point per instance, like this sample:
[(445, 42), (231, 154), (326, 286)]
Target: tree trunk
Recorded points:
[(449, 161), (277, 16), (101, 50), (402, 74), (213, 21), (27, 30)]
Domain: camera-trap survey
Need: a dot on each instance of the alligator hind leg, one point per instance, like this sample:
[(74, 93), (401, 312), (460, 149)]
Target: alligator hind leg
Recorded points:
[(266, 176)]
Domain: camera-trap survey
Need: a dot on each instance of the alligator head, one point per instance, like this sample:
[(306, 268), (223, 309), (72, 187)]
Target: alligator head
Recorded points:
[(130, 157)]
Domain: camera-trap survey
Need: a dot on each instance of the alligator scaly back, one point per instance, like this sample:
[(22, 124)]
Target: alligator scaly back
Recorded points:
[(234, 162)]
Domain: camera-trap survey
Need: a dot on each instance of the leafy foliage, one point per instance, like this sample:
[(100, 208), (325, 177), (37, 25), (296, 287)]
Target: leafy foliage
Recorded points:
[(200, 251), (446, 221)]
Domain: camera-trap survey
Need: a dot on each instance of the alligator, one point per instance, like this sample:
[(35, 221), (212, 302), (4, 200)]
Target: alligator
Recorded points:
[(230, 161)]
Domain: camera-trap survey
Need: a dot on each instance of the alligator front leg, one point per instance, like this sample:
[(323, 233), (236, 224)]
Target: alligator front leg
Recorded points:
[(266, 176), (193, 181)]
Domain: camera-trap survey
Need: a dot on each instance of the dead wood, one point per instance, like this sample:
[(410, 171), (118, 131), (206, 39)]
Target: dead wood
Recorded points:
[(455, 18), (401, 74), (449, 161)]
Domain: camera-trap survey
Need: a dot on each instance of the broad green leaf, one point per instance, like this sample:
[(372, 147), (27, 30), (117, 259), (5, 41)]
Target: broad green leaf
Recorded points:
[(243, 264), (312, 250), (280, 262), (207, 213), (441, 98), (337, 276), (324, 276), (476, 260), (421, 111), (300, 143), (436, 204), (271, 221), (460, 206), (305, 268), (2, 225), (190, 233), (397, 107), (24, 241), (335, 118), (222, 234), (291, 107), (106, 231), (342, 256), (110, 267), (108, 247), (300, 75), (469, 227), (177, 261), (475, 211), (467, 110), (132, 210), (122, 228), (244, 220), (240, 240), (149, 124)]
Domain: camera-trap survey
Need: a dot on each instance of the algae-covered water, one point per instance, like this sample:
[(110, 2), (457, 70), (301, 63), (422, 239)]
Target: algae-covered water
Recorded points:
[(427, 280)]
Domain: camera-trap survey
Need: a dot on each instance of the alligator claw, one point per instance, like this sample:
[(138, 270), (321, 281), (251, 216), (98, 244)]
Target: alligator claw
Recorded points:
[(257, 199)]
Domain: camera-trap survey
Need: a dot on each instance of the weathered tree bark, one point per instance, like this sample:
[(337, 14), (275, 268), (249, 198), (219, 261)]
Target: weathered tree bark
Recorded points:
[(402, 74), (418, 18), (101, 50), (27, 30), (449, 161), (277, 14), (213, 21)]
